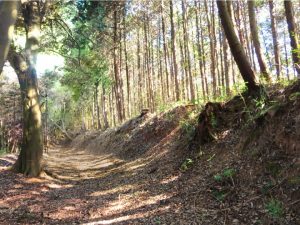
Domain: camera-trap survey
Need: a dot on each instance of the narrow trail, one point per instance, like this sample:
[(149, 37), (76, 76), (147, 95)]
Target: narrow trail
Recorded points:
[(125, 176), (69, 165), (106, 188), (91, 189)]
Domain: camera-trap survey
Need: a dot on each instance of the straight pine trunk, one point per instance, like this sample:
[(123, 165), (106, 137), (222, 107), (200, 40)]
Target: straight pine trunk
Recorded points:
[(288, 6), (275, 39), (200, 53), (254, 34), (175, 66)]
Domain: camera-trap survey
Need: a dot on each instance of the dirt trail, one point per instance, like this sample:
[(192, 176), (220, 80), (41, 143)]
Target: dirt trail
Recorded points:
[(69, 165), (91, 189), (107, 190), (126, 175)]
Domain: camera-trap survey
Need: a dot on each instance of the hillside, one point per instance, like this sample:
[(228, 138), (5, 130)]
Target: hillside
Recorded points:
[(236, 163)]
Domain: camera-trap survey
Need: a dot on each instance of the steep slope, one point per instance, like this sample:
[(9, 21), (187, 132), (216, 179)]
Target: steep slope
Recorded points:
[(136, 137)]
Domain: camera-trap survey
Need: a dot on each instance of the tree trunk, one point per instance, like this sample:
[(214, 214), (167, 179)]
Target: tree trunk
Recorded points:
[(165, 53), (177, 97), (286, 57), (139, 70), (288, 6), (29, 160), (97, 106), (187, 51), (275, 39), (236, 48), (250, 50), (160, 73), (126, 64), (8, 12), (200, 53), (116, 71), (184, 94), (254, 34), (212, 51), (104, 112), (226, 63)]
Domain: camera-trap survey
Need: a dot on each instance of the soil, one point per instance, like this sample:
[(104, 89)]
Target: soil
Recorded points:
[(154, 170)]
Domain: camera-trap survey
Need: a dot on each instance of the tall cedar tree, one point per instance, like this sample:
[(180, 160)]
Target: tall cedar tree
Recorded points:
[(236, 48), (288, 6), (255, 38), (275, 38)]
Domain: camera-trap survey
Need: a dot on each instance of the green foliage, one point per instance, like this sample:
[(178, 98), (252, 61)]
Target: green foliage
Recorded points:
[(62, 108), (188, 127), (229, 173), (220, 191), (273, 168), (164, 107), (218, 177), (295, 180), (275, 208), (267, 187), (82, 79), (220, 195), (239, 88), (286, 82), (186, 164), (259, 3), (226, 174), (213, 120), (294, 96), (157, 220), (257, 108), (222, 97), (297, 50), (2, 151)]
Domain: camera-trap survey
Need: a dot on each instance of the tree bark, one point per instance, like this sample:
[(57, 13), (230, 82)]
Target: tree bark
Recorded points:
[(177, 96), (236, 48), (187, 52), (116, 71), (8, 14), (97, 106), (29, 160), (275, 39), (288, 6), (254, 34), (212, 50), (200, 53), (104, 112), (286, 58), (126, 67), (139, 70), (165, 53)]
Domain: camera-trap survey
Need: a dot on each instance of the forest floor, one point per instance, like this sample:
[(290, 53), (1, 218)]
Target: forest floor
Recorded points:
[(148, 172)]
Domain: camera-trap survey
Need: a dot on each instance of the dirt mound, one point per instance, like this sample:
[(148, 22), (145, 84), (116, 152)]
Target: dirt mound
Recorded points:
[(136, 136), (247, 151)]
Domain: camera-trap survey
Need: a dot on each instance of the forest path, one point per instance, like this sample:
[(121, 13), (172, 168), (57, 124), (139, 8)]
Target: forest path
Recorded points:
[(79, 187), (109, 190), (70, 165)]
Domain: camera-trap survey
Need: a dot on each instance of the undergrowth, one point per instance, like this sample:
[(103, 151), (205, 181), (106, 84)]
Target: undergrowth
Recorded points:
[(275, 208), (2, 151)]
